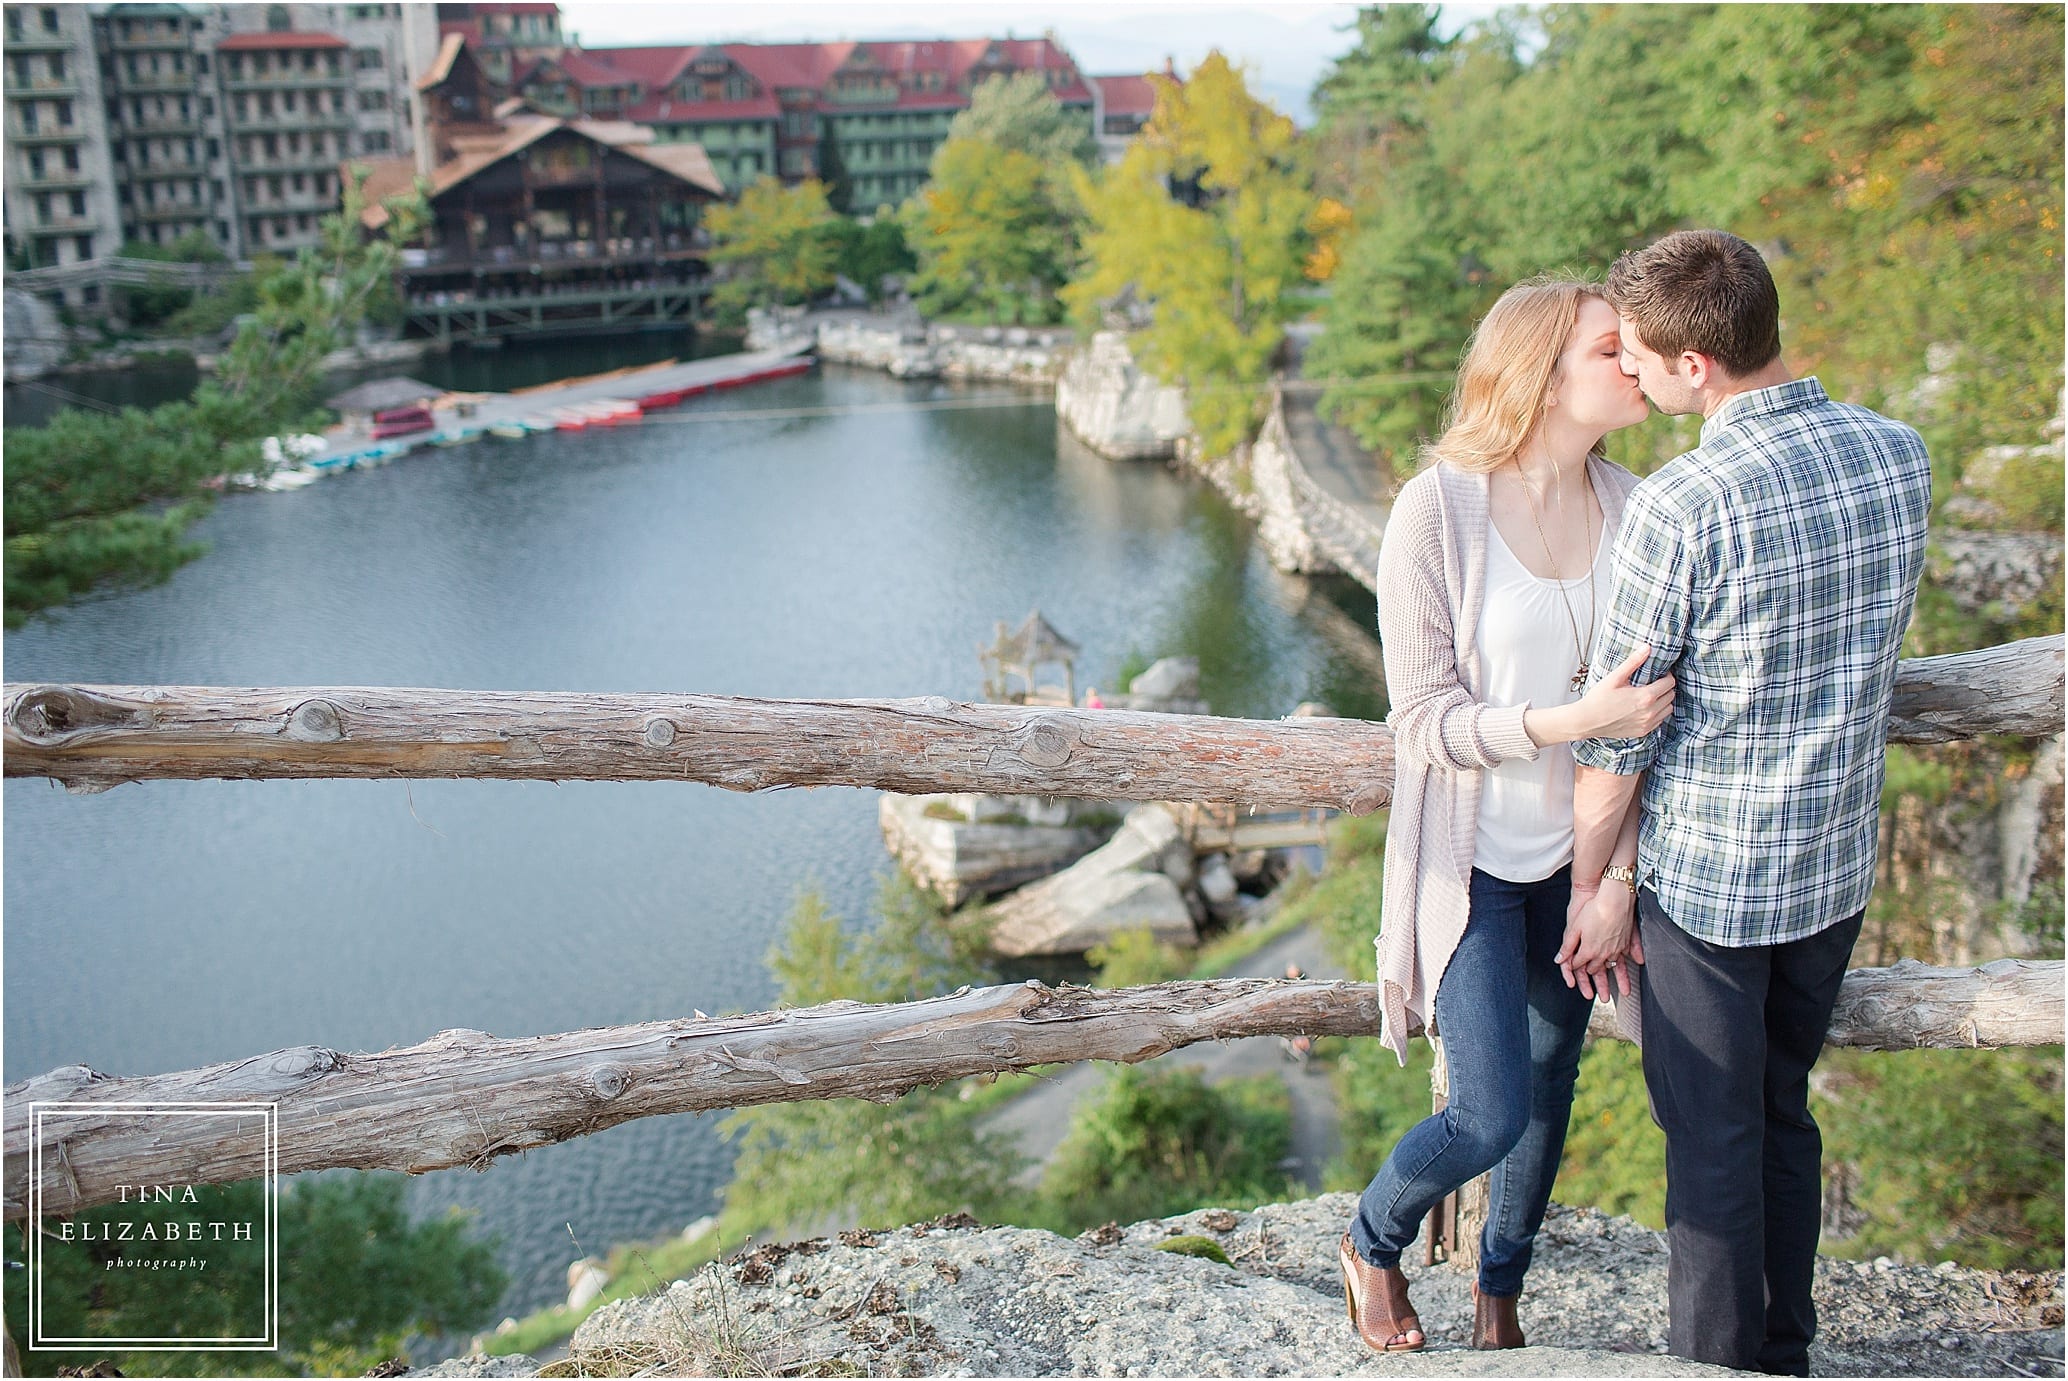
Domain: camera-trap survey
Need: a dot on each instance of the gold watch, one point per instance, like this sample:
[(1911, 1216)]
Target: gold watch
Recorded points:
[(1623, 873)]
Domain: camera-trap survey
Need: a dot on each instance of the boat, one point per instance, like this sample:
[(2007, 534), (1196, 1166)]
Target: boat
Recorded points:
[(514, 430), (283, 480)]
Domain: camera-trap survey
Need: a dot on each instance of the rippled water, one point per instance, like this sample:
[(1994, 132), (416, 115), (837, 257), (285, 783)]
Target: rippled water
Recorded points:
[(166, 925)]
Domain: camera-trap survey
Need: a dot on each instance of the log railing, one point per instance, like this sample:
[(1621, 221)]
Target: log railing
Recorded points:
[(95, 737), (464, 1097)]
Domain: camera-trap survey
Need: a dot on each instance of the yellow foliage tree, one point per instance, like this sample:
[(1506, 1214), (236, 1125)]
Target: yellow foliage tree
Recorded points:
[(1205, 218), (778, 242)]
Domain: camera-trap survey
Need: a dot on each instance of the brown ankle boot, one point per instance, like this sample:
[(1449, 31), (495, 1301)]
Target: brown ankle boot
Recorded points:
[(1379, 1307), (1493, 1322)]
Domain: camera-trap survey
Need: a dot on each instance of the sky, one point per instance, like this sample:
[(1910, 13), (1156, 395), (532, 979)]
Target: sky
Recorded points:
[(1285, 47)]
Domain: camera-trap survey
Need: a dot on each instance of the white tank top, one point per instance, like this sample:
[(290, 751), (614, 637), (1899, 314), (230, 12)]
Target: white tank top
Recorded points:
[(1527, 654)]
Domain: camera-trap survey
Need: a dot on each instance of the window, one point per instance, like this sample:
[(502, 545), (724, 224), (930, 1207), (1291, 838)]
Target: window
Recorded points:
[(90, 295), (367, 59), (78, 203), (373, 100), (375, 140), (57, 66), (82, 245), (28, 117), (207, 108), (273, 188), (215, 150), (301, 182), (43, 206), (14, 22), (265, 105), (64, 114), (49, 21), (287, 101), (201, 69), (71, 158)]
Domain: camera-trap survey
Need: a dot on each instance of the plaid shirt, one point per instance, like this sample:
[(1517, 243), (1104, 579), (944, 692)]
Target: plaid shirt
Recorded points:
[(1772, 570)]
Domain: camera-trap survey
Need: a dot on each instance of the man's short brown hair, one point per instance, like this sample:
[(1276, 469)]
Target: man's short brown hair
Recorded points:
[(1701, 290)]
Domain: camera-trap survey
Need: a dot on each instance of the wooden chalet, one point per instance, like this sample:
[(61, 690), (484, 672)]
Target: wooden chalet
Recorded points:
[(542, 223)]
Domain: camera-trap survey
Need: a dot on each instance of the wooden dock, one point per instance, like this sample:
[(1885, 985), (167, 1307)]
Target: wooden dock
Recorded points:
[(568, 404)]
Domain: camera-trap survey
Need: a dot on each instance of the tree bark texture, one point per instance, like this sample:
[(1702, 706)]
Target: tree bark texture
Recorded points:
[(95, 737), (465, 1097)]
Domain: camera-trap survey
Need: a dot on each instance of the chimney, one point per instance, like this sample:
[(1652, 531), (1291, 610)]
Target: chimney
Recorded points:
[(1170, 67)]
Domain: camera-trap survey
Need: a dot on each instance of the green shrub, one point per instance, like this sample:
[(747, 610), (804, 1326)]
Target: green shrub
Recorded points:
[(1135, 957), (1191, 1244), (1154, 1143)]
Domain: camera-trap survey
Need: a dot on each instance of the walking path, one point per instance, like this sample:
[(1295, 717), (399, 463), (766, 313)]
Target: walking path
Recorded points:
[(1038, 1119)]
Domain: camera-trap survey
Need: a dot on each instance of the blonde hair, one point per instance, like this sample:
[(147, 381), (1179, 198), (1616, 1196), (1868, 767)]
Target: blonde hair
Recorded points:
[(1510, 365)]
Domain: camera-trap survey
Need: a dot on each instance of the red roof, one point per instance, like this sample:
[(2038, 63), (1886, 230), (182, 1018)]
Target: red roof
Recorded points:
[(811, 67), (1128, 95), (251, 42)]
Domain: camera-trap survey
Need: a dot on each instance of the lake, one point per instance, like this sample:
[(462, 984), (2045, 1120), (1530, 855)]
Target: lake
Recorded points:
[(166, 925)]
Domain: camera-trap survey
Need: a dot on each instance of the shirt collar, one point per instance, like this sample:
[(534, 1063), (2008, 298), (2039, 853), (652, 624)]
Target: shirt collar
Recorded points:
[(1758, 402)]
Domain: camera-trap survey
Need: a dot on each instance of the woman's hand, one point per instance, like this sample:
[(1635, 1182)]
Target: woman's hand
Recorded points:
[(1617, 709), (1613, 709), (1600, 940)]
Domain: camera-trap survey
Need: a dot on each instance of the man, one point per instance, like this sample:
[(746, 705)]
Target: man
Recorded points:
[(1772, 570)]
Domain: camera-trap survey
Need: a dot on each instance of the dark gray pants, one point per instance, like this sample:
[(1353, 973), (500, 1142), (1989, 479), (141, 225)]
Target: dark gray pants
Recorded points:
[(1729, 1038)]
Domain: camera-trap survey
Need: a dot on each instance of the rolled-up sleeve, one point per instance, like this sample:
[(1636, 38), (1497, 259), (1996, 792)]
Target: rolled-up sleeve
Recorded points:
[(1652, 568)]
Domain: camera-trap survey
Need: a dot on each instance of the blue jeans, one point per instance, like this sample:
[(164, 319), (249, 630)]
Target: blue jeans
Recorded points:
[(1512, 1033)]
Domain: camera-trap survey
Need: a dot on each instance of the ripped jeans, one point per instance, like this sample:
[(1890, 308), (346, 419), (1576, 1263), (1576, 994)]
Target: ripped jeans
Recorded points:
[(1512, 1033)]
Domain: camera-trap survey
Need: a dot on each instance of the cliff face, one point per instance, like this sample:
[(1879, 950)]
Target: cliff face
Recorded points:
[(953, 1299)]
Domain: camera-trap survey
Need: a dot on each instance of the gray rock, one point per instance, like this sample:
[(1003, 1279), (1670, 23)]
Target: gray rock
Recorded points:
[(1168, 678), (944, 1300), (1114, 408), (1130, 882), (963, 858)]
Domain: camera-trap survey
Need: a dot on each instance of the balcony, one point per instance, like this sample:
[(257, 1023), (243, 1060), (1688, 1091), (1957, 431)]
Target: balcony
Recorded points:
[(178, 212), (168, 124), (67, 222), (291, 203), (289, 81), (32, 39), (49, 134), (55, 179), (181, 83), (44, 87), (546, 254), (291, 163), (291, 120), (161, 168), (149, 40)]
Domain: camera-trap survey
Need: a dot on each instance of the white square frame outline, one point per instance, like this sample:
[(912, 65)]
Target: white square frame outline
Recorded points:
[(269, 1341)]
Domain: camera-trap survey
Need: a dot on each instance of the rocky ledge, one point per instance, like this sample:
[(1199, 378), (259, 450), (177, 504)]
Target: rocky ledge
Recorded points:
[(954, 1299)]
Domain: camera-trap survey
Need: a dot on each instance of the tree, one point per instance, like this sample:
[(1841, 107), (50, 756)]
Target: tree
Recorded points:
[(833, 171), (98, 502), (914, 1158), (1019, 112), (994, 229), (1205, 218), (988, 234), (356, 1279), (777, 244), (867, 253)]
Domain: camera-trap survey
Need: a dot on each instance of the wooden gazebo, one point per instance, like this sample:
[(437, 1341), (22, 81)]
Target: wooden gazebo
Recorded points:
[(1034, 644)]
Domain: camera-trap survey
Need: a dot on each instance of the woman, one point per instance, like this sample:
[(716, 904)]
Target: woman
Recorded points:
[(1492, 577)]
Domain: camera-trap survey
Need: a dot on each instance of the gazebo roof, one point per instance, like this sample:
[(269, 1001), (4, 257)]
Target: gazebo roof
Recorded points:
[(1034, 641)]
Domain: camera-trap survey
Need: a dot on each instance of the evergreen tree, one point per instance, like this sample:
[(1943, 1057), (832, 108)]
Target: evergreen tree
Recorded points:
[(98, 502)]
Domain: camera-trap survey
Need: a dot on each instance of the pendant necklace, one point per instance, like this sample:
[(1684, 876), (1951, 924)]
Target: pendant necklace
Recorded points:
[(1579, 678)]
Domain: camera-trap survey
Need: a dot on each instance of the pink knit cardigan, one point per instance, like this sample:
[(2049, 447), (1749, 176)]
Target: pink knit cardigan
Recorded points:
[(1432, 585)]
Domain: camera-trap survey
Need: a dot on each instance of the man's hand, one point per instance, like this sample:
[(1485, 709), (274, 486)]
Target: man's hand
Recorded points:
[(1600, 937)]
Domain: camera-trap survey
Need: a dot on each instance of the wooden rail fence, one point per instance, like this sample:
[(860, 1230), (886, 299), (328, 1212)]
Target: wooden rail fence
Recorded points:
[(465, 1097)]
